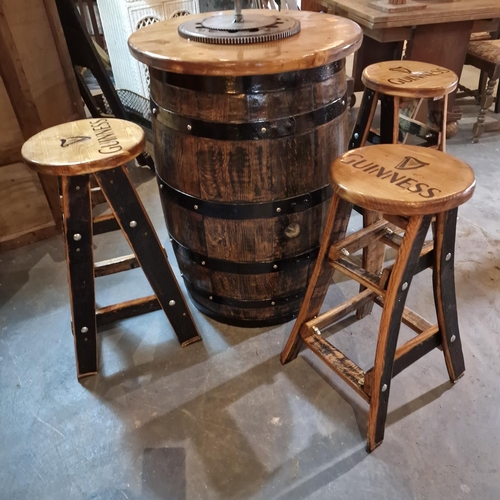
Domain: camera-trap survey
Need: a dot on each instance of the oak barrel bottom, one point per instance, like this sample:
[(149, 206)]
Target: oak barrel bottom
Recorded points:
[(246, 294)]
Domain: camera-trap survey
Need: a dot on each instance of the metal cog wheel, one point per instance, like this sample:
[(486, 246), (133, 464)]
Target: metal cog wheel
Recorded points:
[(224, 30)]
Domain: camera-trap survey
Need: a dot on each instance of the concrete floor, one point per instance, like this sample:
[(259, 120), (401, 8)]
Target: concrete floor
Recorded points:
[(223, 419)]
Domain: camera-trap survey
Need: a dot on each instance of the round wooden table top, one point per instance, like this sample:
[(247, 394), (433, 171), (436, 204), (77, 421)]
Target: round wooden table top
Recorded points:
[(323, 39), (410, 79), (402, 180), (84, 146)]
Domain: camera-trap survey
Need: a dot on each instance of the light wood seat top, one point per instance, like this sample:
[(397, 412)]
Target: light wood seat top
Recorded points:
[(84, 146), (402, 180), (323, 39), (410, 79)]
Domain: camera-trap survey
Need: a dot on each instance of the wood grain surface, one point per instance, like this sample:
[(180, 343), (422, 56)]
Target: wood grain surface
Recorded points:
[(322, 39), (84, 146), (402, 180), (436, 12), (410, 79), (242, 173)]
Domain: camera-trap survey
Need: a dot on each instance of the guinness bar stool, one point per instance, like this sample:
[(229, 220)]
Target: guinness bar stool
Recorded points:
[(73, 151), (389, 82), (409, 185)]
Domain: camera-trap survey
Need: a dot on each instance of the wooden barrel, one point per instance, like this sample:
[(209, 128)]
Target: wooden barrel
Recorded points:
[(242, 155)]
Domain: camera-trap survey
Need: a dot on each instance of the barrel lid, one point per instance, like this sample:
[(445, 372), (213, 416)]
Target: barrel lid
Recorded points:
[(323, 39)]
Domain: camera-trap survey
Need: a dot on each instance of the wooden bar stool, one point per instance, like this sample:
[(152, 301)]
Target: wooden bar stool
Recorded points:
[(389, 82), (409, 185), (73, 151)]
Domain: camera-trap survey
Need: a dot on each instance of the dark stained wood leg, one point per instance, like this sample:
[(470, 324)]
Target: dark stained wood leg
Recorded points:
[(373, 259), (444, 292), (137, 228), (390, 324), (389, 120), (486, 102), (371, 52), (335, 229), (364, 119), (80, 261)]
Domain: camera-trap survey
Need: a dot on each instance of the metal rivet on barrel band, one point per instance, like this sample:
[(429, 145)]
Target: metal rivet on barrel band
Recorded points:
[(271, 129), (84, 329), (448, 256), (273, 303), (278, 210), (405, 286), (453, 338), (384, 388), (202, 262), (196, 207), (133, 223), (211, 297), (77, 236), (356, 136), (275, 266), (171, 303), (77, 188)]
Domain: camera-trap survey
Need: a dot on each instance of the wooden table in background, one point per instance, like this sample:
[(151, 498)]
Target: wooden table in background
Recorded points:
[(438, 34)]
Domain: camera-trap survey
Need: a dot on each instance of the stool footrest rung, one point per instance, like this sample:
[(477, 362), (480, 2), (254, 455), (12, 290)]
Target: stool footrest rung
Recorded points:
[(333, 315), (104, 224), (408, 353), (359, 239), (410, 318), (116, 265), (362, 276), (349, 371), (135, 307)]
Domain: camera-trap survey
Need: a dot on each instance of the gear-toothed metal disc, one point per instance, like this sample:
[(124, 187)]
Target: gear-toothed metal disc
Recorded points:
[(254, 28)]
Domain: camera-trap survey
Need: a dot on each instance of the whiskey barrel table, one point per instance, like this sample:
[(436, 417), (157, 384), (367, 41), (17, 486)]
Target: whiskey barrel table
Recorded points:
[(244, 137)]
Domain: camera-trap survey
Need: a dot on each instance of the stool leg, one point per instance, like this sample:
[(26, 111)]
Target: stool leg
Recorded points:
[(335, 229), (390, 324), (486, 102), (80, 260), (444, 123), (389, 120), (137, 228), (444, 292), (364, 119), (373, 259)]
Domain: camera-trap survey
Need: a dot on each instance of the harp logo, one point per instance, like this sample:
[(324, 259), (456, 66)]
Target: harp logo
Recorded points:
[(401, 69), (74, 140), (410, 163), (397, 176)]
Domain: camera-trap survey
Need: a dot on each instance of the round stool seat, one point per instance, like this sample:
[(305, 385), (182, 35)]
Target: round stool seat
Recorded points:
[(84, 146), (410, 79), (402, 180)]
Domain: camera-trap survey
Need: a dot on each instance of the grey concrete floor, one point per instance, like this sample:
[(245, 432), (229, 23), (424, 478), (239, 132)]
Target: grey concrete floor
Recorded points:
[(222, 419)]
